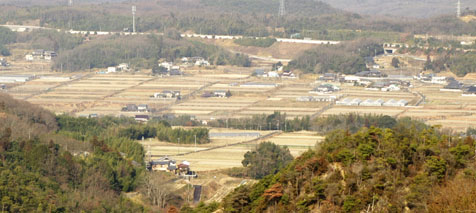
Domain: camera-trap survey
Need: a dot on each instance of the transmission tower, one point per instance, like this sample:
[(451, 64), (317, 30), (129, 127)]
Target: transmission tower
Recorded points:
[(282, 9), (133, 18), (458, 9), (70, 3)]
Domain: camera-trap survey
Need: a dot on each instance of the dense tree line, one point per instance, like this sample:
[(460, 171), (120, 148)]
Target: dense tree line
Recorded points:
[(352, 122), (275, 121), (267, 159), (376, 169), (141, 52), (463, 64), (50, 40), (250, 18), (24, 119), (164, 132), (458, 63), (6, 37), (347, 58), (39, 176)]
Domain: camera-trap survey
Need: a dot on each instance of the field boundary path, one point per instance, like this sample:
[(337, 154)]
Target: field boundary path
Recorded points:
[(113, 93), (422, 98), (57, 86), (186, 97), (223, 146)]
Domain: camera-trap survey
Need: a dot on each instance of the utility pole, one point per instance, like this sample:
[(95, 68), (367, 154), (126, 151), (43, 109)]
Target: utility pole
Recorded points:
[(134, 18), (195, 143)]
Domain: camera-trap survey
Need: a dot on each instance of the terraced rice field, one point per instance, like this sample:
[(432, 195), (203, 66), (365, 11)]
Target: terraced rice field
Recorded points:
[(230, 155)]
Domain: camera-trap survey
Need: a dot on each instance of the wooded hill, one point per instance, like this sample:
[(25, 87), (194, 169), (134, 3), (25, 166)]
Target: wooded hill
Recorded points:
[(45, 171), (234, 17), (408, 167), (141, 52)]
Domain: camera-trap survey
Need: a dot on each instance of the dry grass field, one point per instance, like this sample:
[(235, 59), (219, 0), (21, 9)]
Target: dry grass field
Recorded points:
[(106, 94), (230, 155)]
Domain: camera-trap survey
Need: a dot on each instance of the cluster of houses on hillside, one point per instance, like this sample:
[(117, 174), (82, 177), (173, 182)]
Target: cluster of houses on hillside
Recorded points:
[(170, 68), (40, 54), (167, 94), (197, 61), (372, 80), (261, 73), (123, 67), (136, 108), (456, 86), (324, 89), (217, 93), (166, 164), (432, 78), (370, 102)]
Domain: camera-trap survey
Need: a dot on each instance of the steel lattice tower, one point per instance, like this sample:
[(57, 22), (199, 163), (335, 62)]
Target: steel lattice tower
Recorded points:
[(282, 9), (458, 9)]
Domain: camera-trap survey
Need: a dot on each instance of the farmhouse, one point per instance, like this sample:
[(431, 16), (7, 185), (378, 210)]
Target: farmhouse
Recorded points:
[(166, 94), (38, 54), (3, 87), (175, 72), (391, 87), (470, 91), (453, 86), (166, 65), (371, 73), (164, 164), (130, 108), (111, 69), (141, 118), (329, 77), (143, 108), (3, 62), (49, 55), (258, 85), (272, 74), (325, 88), (288, 74), (202, 62), (122, 67), (220, 93)]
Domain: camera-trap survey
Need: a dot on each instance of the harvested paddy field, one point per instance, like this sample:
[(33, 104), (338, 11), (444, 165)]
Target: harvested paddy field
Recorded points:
[(228, 155)]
